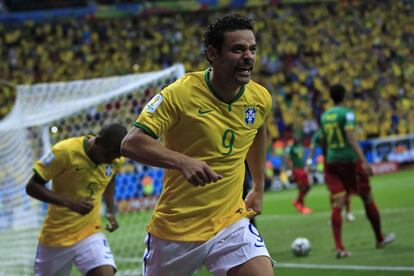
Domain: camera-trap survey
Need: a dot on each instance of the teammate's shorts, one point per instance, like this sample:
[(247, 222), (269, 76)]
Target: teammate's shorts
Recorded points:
[(231, 247), (300, 176), (89, 253), (347, 177)]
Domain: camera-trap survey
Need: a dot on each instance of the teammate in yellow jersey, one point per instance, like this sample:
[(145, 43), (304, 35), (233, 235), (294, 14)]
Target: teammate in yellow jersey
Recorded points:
[(211, 122), (83, 171)]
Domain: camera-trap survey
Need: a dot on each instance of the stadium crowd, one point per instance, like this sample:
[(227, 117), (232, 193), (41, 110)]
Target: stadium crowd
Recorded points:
[(304, 49)]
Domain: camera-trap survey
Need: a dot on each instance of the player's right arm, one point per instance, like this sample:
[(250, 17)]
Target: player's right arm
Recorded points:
[(350, 134), (47, 168), (36, 188), (139, 146), (355, 146)]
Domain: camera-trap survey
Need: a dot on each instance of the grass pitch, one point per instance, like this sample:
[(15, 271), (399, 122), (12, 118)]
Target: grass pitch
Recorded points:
[(280, 224)]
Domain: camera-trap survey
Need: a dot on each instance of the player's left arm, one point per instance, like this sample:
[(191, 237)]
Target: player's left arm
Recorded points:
[(109, 197), (256, 162)]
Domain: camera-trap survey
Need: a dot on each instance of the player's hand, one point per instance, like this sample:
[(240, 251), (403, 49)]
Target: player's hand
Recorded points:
[(367, 169), (80, 206), (254, 201), (113, 224), (198, 172)]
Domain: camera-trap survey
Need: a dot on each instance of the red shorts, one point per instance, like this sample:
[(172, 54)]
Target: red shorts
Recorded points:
[(347, 178), (364, 186), (300, 176)]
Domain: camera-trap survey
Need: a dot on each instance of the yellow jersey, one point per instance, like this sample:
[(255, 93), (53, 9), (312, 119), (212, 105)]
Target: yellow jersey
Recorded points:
[(74, 175), (195, 121)]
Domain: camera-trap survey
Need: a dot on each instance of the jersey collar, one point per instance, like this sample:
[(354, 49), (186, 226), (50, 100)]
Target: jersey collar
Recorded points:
[(210, 87)]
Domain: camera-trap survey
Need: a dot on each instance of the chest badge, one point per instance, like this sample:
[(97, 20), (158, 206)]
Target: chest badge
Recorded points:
[(108, 170), (250, 115)]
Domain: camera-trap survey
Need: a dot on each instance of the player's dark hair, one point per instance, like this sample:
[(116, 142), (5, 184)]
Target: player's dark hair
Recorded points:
[(111, 136), (337, 93), (214, 35)]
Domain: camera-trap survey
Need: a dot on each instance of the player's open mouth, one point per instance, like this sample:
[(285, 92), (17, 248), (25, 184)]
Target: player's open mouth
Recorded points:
[(244, 71)]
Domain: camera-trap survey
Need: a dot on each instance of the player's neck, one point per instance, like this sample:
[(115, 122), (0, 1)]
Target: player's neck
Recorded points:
[(339, 104), (223, 87), (89, 148)]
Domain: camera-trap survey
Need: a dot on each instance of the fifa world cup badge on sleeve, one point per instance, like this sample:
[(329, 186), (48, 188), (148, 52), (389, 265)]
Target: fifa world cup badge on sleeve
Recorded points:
[(47, 158), (154, 103), (350, 116)]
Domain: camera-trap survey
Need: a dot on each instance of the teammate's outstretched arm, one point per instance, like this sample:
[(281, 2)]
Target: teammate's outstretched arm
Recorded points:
[(139, 146)]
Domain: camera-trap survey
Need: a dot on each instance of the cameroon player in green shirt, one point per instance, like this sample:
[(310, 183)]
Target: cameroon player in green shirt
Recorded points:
[(296, 164), (346, 165)]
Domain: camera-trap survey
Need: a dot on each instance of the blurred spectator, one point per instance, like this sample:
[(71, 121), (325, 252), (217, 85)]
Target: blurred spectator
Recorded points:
[(307, 47)]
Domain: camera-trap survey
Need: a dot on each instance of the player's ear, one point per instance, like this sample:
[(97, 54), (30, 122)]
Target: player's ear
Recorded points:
[(211, 53)]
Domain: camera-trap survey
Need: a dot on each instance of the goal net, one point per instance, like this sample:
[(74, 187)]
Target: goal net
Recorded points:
[(44, 114)]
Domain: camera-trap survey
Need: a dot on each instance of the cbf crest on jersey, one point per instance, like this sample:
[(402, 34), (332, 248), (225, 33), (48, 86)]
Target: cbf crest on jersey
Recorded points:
[(108, 170), (250, 114), (153, 104)]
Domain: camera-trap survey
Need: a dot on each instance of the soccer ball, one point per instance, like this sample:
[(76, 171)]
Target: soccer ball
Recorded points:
[(301, 247)]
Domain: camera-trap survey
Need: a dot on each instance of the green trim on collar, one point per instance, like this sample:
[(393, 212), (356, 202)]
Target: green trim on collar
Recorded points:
[(146, 130), (210, 87)]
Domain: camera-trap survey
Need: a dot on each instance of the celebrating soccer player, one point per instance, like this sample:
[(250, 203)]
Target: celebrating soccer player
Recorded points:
[(83, 171), (211, 122)]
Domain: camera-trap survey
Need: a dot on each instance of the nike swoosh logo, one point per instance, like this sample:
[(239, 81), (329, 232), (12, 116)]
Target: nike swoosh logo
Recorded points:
[(79, 169), (204, 111)]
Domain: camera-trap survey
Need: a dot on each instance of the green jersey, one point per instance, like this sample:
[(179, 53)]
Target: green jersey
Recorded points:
[(296, 155), (335, 122)]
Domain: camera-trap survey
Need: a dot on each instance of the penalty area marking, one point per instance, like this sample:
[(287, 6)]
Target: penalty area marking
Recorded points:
[(345, 267)]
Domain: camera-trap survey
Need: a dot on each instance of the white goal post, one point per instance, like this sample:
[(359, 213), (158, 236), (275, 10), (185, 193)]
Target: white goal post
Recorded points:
[(46, 113)]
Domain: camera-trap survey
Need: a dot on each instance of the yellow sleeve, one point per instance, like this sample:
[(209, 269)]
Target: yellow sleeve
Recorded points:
[(118, 164), (52, 163), (160, 113)]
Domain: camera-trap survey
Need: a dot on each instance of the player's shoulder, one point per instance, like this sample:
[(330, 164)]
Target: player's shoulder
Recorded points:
[(69, 142), (341, 109), (186, 83), (258, 88), (259, 91), (118, 161), (69, 145)]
